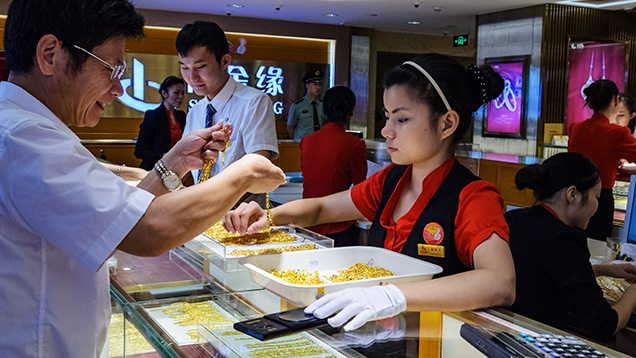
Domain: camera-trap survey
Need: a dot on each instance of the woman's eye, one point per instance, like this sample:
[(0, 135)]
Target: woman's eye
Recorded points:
[(402, 120)]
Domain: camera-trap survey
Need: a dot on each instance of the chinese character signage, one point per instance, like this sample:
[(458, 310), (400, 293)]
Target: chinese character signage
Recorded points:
[(280, 80), (591, 61), (505, 115)]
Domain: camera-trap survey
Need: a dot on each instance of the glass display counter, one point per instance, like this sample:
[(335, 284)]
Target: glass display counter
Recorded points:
[(181, 310)]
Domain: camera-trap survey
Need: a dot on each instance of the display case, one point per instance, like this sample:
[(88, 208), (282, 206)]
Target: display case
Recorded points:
[(180, 310)]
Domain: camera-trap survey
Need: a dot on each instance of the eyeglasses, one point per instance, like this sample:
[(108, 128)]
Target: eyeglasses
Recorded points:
[(115, 71)]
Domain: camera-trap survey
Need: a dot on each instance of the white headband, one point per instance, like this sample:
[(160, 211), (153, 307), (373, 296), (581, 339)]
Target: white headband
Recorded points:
[(439, 90)]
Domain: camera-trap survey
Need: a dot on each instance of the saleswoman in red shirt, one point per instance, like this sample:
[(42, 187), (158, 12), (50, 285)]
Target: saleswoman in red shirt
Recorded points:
[(606, 144), (425, 204), (333, 159)]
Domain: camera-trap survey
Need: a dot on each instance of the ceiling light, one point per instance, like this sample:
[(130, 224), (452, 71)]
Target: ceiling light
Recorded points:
[(331, 14), (414, 22), (235, 6)]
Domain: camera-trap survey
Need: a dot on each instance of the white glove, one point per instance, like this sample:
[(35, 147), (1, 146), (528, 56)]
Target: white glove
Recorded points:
[(365, 303)]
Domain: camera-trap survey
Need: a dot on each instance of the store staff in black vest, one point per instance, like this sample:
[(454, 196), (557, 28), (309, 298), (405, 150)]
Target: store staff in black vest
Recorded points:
[(305, 114), (425, 204), (556, 283)]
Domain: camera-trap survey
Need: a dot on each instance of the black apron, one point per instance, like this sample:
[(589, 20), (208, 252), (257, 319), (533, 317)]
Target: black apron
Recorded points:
[(440, 212)]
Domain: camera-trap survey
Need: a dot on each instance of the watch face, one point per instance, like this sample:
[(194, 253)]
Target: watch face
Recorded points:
[(172, 181)]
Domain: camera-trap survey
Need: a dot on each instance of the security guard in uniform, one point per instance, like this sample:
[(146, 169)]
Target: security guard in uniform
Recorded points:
[(305, 114)]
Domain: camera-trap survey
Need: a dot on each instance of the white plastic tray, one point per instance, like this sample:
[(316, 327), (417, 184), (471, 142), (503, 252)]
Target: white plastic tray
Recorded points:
[(327, 262)]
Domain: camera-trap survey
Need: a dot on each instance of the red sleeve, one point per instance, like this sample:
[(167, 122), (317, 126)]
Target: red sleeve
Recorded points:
[(367, 195), (626, 148), (480, 213), (359, 163)]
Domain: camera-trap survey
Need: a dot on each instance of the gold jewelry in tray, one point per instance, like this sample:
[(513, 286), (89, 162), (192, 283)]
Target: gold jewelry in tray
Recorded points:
[(613, 288), (357, 271)]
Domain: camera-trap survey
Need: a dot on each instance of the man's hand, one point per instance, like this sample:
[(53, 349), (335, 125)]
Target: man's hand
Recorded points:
[(246, 219), (191, 151)]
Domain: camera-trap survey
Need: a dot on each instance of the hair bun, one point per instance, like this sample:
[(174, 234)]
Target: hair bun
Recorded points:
[(485, 85), (530, 177)]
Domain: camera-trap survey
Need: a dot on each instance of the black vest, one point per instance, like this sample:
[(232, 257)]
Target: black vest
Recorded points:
[(442, 209)]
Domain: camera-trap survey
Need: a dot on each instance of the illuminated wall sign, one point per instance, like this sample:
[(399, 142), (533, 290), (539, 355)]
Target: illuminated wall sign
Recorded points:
[(279, 80)]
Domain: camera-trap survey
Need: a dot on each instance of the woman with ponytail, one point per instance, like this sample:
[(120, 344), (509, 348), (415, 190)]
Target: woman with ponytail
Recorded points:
[(425, 204), (606, 144), (555, 280), (333, 159)]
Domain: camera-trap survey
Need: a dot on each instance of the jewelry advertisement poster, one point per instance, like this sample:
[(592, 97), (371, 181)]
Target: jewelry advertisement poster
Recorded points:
[(590, 61), (505, 115)]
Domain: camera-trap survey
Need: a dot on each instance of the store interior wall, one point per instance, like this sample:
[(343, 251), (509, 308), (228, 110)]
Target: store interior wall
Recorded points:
[(512, 38)]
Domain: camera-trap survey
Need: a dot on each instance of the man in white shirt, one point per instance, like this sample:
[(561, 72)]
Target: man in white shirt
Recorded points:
[(204, 57), (63, 214)]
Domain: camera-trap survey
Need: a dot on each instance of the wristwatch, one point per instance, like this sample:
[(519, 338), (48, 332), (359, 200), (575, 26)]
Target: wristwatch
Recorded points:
[(170, 180)]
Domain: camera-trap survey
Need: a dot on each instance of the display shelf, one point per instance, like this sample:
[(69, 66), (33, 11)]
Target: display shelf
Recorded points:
[(234, 344), (225, 255)]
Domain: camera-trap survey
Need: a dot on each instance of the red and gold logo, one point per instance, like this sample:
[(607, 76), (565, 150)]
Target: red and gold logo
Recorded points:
[(433, 233)]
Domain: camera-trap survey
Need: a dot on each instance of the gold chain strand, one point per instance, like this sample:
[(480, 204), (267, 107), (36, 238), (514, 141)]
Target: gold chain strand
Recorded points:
[(270, 221), (207, 165)]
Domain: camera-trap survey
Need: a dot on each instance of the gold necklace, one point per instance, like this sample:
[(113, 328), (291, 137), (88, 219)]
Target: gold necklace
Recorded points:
[(207, 165)]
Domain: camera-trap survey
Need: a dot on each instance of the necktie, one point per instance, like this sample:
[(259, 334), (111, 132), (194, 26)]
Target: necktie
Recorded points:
[(209, 121), (209, 115), (316, 120)]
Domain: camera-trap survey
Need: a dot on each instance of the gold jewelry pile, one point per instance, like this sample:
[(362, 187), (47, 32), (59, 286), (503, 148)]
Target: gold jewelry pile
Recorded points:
[(299, 277), (272, 250), (294, 347), (613, 288), (131, 338), (360, 272), (218, 233), (207, 165), (189, 314), (357, 271)]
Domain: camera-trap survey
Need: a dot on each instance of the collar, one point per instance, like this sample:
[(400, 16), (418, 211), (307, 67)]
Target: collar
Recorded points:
[(311, 100), (24, 100), (334, 125), (220, 100), (430, 184), (599, 117), (549, 209)]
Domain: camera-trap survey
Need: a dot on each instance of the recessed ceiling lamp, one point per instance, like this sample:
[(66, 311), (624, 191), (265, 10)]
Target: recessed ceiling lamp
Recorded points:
[(414, 23), (331, 14), (235, 6)]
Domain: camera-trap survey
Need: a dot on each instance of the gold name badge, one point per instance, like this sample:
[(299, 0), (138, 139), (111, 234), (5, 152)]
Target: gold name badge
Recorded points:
[(430, 250)]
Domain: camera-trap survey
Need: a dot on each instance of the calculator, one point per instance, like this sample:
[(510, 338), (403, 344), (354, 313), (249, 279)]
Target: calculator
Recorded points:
[(499, 344)]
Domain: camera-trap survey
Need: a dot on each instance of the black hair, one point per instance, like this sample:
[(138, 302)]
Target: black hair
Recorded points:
[(202, 33), (560, 171), (630, 104), (85, 23), (169, 82), (466, 91), (337, 103), (600, 94)]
